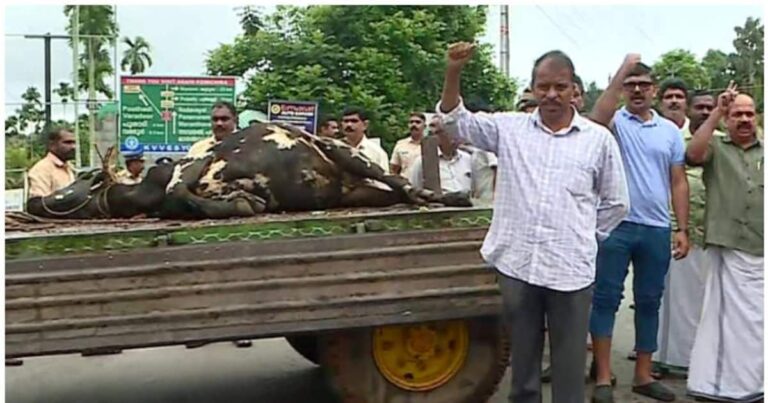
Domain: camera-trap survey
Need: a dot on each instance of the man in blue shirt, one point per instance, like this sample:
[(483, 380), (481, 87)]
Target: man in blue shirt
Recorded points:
[(654, 160)]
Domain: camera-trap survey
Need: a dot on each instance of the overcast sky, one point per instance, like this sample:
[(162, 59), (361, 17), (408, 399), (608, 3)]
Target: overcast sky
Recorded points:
[(596, 37)]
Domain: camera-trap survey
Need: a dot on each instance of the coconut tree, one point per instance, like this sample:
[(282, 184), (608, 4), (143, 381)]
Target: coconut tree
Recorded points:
[(136, 58)]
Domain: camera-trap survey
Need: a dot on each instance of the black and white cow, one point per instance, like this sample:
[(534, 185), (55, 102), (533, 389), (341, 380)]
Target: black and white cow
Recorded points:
[(267, 167)]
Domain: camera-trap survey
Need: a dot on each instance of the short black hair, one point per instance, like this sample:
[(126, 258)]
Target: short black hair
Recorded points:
[(673, 83), (557, 55), (641, 69), (356, 110), (579, 83), (54, 134), (225, 104), (327, 119), (418, 115), (702, 93)]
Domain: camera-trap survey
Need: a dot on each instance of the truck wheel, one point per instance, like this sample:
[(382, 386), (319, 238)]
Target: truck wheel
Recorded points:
[(306, 345), (458, 361)]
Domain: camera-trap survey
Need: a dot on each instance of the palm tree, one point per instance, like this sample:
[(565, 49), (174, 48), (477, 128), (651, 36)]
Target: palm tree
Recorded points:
[(136, 58), (65, 93), (99, 28)]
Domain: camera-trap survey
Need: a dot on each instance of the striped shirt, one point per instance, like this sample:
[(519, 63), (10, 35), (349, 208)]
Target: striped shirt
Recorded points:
[(557, 194)]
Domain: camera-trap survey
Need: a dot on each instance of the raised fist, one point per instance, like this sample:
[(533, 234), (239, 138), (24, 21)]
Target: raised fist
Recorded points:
[(632, 59), (459, 54)]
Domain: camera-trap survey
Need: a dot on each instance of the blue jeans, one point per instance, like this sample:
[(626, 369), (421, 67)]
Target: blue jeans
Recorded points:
[(650, 250)]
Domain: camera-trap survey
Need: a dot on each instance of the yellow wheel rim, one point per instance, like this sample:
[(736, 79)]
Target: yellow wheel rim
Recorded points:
[(421, 357)]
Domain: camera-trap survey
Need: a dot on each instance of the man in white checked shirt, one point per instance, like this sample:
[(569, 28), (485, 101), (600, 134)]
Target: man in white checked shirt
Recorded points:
[(560, 188)]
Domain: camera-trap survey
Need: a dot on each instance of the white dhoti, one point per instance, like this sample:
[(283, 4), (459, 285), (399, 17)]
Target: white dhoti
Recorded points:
[(727, 357), (681, 308)]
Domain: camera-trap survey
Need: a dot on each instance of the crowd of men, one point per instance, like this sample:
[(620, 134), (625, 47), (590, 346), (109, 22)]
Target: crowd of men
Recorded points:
[(462, 167), (580, 198), (577, 199)]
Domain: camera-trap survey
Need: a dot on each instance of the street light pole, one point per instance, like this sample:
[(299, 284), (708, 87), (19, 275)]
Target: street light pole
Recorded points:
[(75, 84), (504, 40), (47, 63)]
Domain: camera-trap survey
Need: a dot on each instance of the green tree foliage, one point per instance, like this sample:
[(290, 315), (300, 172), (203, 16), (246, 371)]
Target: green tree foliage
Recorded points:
[(591, 93), (748, 61), (94, 20), (387, 59), (745, 66), (22, 131), (682, 64), (719, 69), (12, 128), (25, 141), (136, 58), (18, 157), (31, 116), (251, 20), (65, 92)]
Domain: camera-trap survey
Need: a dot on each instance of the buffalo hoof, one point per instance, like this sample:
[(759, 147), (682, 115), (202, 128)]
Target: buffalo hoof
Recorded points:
[(456, 199), (247, 204)]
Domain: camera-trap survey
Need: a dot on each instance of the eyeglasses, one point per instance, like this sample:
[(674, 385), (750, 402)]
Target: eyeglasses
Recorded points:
[(643, 85)]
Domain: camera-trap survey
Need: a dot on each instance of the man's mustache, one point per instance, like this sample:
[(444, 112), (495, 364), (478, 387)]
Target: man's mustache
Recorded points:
[(550, 102)]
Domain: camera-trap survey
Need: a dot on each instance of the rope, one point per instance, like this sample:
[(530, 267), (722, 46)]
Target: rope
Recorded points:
[(103, 198), (63, 213)]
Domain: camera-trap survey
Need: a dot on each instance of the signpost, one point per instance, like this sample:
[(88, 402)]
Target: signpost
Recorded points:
[(168, 114), (298, 113)]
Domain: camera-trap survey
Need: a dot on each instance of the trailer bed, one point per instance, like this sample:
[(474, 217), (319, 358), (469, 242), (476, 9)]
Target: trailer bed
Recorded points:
[(79, 287)]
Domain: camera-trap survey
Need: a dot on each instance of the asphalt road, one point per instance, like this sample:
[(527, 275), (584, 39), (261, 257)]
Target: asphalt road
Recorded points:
[(268, 372)]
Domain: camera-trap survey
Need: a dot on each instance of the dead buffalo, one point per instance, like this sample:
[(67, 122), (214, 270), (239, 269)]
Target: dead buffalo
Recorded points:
[(267, 167)]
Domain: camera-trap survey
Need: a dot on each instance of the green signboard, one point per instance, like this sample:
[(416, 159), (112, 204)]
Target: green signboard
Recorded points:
[(169, 114)]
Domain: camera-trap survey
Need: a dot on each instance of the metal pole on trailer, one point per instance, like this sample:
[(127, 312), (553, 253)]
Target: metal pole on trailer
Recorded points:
[(75, 72)]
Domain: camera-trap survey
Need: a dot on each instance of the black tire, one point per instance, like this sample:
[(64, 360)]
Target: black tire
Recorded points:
[(306, 345), (347, 358)]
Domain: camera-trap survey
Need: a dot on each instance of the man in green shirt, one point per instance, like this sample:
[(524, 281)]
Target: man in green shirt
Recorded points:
[(686, 279), (727, 357)]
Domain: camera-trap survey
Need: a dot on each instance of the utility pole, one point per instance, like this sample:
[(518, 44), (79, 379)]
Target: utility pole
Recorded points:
[(75, 84), (91, 104), (504, 62), (47, 61)]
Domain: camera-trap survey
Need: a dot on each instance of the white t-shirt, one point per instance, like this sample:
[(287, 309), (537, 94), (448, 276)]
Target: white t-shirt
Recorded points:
[(455, 173)]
